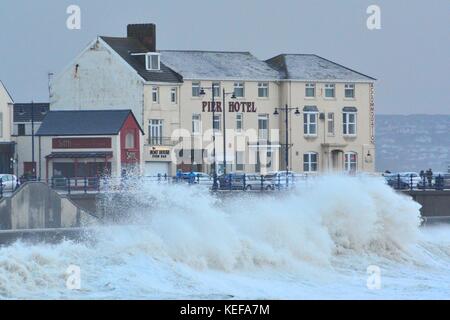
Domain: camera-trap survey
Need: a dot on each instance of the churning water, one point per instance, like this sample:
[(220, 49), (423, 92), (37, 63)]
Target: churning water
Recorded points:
[(314, 242)]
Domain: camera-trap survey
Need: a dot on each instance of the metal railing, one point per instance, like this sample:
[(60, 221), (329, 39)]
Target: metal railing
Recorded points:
[(413, 182), (162, 141), (229, 182)]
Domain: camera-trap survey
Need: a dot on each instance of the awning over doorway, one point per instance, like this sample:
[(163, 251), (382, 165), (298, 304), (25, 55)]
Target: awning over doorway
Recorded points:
[(79, 155)]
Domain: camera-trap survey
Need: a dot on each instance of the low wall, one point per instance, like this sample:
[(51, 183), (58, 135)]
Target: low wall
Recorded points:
[(435, 204), (36, 206)]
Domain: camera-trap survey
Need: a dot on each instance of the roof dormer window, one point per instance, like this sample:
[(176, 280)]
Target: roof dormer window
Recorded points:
[(152, 61)]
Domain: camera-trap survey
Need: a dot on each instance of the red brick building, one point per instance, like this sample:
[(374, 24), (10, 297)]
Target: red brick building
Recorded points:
[(76, 144)]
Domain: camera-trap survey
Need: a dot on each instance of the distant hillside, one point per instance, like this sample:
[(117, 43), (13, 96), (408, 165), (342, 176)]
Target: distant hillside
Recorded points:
[(413, 143)]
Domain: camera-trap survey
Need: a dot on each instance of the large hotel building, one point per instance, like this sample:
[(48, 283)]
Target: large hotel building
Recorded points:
[(317, 113)]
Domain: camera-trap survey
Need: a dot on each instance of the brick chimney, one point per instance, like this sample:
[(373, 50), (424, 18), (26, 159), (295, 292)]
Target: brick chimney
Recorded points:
[(145, 33)]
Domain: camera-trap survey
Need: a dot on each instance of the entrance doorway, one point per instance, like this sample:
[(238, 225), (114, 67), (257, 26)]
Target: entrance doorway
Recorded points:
[(336, 160)]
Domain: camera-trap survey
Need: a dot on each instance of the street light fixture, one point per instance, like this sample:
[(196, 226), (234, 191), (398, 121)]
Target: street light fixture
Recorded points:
[(224, 94), (202, 93), (287, 110)]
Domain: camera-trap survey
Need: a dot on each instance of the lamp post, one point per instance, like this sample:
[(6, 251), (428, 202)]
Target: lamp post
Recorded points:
[(202, 93), (233, 96), (287, 110), (33, 168)]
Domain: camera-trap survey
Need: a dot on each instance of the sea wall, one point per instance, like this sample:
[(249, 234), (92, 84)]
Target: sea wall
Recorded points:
[(434, 203), (36, 206)]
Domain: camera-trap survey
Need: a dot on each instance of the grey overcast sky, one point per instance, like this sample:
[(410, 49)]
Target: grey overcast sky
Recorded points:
[(410, 55)]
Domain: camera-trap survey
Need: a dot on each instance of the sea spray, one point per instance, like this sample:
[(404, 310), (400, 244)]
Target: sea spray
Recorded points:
[(183, 241)]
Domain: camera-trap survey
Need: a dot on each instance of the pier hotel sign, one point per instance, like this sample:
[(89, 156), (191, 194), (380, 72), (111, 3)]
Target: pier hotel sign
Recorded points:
[(233, 106)]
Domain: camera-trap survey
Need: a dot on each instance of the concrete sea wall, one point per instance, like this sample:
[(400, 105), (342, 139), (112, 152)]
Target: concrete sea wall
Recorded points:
[(36, 206)]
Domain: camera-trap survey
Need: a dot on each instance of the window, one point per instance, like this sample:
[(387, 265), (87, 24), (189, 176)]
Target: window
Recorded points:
[(155, 95), (263, 126), (351, 161), (310, 162), (21, 129), (129, 140), (152, 61), (349, 91), (310, 123), (196, 89), (329, 91), (217, 122), (156, 131), (239, 91), (263, 90), (196, 123), (330, 123), (240, 159), (349, 123), (310, 90), (239, 122), (216, 88), (173, 95)]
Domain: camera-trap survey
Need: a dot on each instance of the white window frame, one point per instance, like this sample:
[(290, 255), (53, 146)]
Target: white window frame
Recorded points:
[(240, 120), (239, 85), (217, 123), (347, 125), (310, 86), (348, 87), (196, 123), (331, 124), (156, 131), (149, 61), (216, 86), (196, 85), (263, 90), (129, 141), (349, 164), (263, 134), (307, 123), (308, 166), (155, 94), (174, 95), (330, 86)]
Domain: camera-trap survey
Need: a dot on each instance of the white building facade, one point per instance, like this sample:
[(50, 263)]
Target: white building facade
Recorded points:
[(329, 107)]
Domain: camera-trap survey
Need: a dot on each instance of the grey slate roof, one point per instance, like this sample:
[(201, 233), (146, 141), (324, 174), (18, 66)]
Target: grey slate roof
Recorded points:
[(217, 65), (313, 67), (22, 111), (83, 123), (125, 46)]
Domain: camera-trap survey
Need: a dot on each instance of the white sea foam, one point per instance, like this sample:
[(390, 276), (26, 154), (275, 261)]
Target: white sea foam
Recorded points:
[(182, 242)]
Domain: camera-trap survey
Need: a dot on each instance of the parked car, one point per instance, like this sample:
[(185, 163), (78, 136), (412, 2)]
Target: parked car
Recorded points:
[(412, 178), (9, 182), (231, 181), (257, 182), (281, 179), (199, 177), (403, 180)]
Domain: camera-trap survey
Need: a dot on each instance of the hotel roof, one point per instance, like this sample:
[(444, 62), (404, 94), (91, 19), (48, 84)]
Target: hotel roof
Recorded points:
[(217, 65), (126, 46), (84, 123), (312, 67)]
